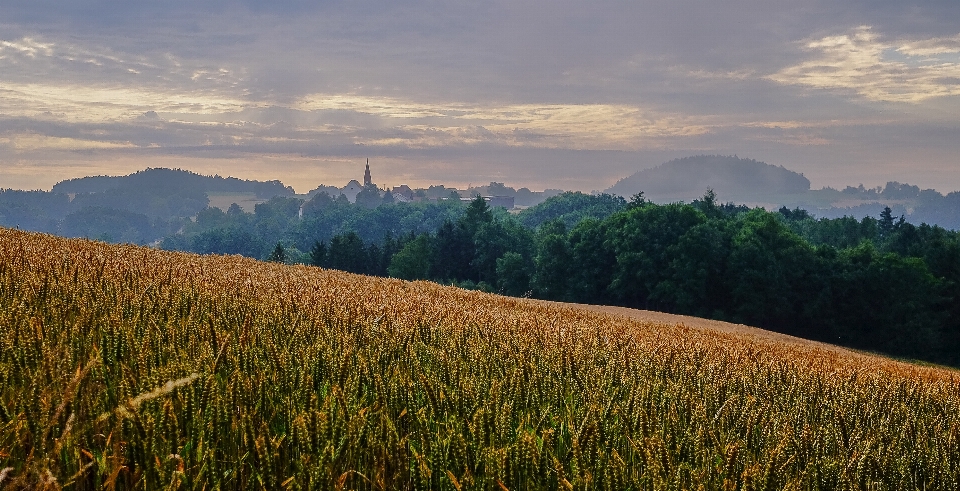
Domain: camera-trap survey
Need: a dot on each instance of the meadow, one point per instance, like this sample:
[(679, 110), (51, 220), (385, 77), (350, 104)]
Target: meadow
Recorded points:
[(124, 367)]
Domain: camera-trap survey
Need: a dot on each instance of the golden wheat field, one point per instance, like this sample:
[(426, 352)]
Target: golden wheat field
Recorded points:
[(123, 367)]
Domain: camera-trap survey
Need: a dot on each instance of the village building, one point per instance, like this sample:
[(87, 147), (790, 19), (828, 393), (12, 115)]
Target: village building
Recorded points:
[(402, 193), (351, 190)]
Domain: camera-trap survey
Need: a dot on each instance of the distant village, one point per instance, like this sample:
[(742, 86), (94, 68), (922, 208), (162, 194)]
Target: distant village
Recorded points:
[(496, 194)]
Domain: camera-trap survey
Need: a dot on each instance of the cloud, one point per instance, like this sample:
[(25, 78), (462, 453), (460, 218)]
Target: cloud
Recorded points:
[(862, 63), (571, 94), (596, 126), (26, 47), (33, 142), (80, 83), (161, 98), (931, 47), (85, 103)]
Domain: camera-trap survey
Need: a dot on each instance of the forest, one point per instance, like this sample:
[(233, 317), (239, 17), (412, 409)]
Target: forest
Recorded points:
[(878, 284)]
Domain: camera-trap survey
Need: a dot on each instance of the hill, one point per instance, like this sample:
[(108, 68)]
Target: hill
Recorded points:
[(745, 181), (128, 367), (162, 181), (139, 208), (733, 178)]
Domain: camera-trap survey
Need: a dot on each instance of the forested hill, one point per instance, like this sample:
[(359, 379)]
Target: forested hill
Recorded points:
[(730, 177), (172, 181), (139, 208)]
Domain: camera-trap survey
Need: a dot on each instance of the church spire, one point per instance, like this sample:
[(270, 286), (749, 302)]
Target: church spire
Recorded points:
[(366, 175)]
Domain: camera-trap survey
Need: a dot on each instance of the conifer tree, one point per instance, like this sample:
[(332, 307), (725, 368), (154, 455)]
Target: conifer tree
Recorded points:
[(318, 254), (279, 254)]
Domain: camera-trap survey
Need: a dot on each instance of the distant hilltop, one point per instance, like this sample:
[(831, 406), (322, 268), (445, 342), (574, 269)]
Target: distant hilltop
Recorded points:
[(688, 178), (754, 183), (171, 181)]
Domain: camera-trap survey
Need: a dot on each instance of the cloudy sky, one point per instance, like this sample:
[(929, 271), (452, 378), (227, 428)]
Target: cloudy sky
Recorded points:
[(544, 94)]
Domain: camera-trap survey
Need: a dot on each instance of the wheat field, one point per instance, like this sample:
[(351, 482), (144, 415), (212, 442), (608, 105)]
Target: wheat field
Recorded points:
[(123, 367)]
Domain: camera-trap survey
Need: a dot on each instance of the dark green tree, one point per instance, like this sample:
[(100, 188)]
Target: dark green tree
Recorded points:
[(885, 302), (708, 204), (318, 254), (637, 201), (412, 262), (513, 274), (592, 263), (794, 215), (552, 261), (886, 223), (347, 253), (278, 255), (770, 274), (390, 246), (492, 240), (693, 283), (377, 262), (640, 238), (452, 252), (477, 213)]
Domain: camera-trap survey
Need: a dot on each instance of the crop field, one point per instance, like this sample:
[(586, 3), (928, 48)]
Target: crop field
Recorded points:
[(123, 367)]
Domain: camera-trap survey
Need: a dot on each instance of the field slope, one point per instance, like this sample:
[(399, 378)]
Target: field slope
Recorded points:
[(123, 367)]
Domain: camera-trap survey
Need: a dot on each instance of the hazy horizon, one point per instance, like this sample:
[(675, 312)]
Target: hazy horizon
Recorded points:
[(564, 95)]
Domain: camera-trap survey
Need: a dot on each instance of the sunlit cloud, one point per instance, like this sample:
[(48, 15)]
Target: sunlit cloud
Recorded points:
[(26, 46), (816, 123), (931, 47), (33, 142), (861, 62), (704, 74), (51, 80), (608, 126), (100, 103)]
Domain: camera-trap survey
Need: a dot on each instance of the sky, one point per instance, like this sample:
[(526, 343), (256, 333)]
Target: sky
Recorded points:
[(562, 94)]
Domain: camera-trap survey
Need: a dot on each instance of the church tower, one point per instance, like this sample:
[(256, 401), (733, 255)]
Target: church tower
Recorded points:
[(366, 175)]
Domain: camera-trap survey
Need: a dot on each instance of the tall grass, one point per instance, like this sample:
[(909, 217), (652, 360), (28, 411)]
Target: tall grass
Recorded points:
[(129, 368)]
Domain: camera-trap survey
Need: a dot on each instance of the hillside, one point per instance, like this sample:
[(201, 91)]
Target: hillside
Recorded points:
[(127, 367), (171, 181), (731, 178), (138, 208), (758, 184)]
